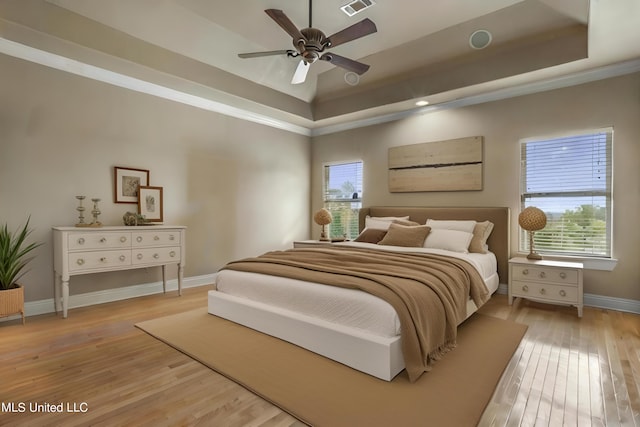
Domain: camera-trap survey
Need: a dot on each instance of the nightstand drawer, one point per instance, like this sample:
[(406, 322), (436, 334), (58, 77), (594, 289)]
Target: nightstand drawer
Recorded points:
[(545, 274), (545, 291)]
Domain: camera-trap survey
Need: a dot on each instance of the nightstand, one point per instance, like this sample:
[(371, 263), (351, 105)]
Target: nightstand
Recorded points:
[(555, 282), (309, 243)]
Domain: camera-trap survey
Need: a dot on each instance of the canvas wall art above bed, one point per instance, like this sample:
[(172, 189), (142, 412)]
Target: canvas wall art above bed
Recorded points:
[(391, 300)]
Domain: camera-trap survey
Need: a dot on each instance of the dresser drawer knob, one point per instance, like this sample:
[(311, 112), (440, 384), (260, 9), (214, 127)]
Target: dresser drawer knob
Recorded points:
[(139, 256), (102, 240), (156, 256), (542, 275), (80, 261), (525, 271), (139, 239), (525, 288), (543, 291), (172, 254), (563, 275), (156, 237), (172, 237), (122, 257), (563, 293), (123, 239), (81, 241)]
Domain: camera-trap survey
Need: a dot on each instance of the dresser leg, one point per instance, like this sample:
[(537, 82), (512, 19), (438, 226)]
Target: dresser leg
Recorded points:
[(164, 279), (57, 304), (65, 297)]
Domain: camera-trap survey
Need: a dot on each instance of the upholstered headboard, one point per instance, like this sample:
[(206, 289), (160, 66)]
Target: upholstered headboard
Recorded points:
[(498, 241)]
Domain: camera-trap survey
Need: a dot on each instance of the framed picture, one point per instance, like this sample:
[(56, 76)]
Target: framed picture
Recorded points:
[(150, 203), (126, 183)]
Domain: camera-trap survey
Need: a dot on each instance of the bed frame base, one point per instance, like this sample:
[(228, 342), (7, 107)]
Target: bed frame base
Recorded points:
[(371, 354)]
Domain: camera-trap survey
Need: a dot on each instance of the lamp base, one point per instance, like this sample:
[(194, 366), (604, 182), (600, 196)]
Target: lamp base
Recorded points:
[(534, 256)]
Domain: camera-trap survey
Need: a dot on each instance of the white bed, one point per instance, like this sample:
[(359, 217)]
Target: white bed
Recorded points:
[(350, 326)]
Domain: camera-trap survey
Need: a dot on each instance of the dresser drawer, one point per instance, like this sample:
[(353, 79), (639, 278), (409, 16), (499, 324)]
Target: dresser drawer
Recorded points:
[(105, 240), (155, 255), (81, 261), (155, 238), (544, 291), (545, 274)]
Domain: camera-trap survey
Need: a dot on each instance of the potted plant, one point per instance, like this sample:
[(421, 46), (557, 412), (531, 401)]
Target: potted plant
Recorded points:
[(13, 260)]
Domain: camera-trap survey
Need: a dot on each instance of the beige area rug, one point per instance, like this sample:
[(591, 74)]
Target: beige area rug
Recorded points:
[(321, 392)]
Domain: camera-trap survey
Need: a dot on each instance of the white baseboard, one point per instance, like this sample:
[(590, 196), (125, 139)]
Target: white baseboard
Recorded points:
[(599, 301), (34, 308)]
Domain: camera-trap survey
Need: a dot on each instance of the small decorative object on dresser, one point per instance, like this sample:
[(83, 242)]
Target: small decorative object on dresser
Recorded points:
[(110, 248), (554, 282), (323, 217), (13, 260), (532, 219)]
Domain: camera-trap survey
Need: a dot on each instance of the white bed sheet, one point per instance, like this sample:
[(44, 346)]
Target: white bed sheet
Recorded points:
[(347, 307)]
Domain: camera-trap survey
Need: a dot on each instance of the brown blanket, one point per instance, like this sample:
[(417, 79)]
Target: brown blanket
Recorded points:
[(429, 292)]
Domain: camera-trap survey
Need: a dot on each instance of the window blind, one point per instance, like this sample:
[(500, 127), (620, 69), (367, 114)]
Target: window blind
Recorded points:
[(570, 179), (342, 190)]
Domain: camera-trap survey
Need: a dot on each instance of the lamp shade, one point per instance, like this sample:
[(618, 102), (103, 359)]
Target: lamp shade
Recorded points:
[(532, 219), (322, 217)]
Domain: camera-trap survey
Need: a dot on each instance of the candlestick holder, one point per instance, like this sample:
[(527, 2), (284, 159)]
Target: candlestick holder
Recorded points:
[(95, 212), (80, 210)]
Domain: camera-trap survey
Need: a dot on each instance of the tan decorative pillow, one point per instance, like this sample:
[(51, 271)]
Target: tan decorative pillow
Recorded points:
[(370, 235), (481, 233), (407, 236), (407, 222)]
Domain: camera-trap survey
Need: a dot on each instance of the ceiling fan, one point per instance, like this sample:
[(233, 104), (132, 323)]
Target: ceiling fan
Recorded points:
[(310, 43)]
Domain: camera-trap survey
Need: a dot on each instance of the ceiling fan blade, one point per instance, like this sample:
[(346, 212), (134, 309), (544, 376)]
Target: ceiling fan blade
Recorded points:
[(301, 73), (346, 63), (267, 53), (286, 24), (360, 29)]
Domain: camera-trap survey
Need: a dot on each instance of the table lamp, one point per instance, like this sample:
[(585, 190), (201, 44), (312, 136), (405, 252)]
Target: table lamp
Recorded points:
[(532, 219), (323, 217)]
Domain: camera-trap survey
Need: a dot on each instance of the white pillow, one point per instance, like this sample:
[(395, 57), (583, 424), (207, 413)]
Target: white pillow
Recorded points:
[(381, 222), (450, 240), (466, 226)]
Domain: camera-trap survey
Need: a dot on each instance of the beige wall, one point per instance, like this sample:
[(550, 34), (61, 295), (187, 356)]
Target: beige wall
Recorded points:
[(240, 187), (614, 102)]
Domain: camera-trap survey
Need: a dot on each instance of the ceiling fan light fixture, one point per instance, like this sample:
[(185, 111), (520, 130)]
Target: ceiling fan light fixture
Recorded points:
[(356, 6), (480, 39), (422, 103)]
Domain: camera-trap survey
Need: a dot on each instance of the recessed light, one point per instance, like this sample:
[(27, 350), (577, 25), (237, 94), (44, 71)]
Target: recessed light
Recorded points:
[(422, 103), (480, 39), (351, 78)]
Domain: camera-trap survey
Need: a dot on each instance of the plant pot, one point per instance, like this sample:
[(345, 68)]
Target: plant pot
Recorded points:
[(12, 302)]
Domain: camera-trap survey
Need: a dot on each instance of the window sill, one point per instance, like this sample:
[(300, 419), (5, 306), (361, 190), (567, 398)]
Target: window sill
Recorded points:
[(603, 264)]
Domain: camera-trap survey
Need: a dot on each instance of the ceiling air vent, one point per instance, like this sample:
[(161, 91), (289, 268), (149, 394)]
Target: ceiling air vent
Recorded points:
[(357, 6)]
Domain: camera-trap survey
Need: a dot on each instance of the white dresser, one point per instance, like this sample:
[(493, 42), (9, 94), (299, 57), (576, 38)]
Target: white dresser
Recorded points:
[(95, 250), (547, 281)]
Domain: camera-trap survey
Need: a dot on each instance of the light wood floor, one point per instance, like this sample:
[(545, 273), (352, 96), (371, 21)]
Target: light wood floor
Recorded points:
[(567, 371)]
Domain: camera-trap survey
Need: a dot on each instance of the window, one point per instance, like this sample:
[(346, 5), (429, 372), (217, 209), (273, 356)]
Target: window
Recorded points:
[(342, 191), (569, 178)]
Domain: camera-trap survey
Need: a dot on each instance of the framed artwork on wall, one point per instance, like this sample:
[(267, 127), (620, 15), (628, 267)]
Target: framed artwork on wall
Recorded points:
[(150, 203), (126, 183)]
